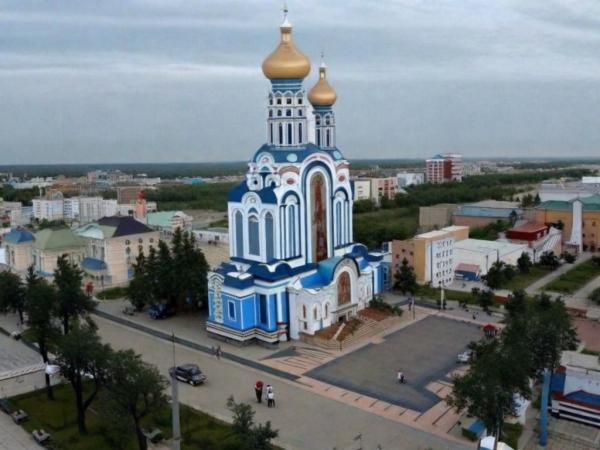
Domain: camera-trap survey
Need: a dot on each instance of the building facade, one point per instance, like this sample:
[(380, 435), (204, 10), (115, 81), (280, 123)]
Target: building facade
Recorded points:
[(294, 267), (52, 243), (17, 245), (444, 168), (410, 178)]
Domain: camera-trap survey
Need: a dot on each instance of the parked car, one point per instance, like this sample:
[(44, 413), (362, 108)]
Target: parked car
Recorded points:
[(129, 311), (188, 373), (160, 311), (464, 357)]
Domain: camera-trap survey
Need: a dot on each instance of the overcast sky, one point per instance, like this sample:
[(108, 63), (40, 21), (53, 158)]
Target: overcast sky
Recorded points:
[(180, 80)]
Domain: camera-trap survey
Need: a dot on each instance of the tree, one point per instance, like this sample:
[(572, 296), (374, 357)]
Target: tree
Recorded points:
[(569, 258), (12, 294), (114, 423), (524, 263), (537, 200), (40, 297), (517, 304), (135, 388), (549, 259), (488, 389), (405, 278), (485, 299), (81, 353), (495, 276), (140, 287), (509, 272), (71, 300), (251, 436)]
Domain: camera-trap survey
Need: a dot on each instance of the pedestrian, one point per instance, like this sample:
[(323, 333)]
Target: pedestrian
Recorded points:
[(271, 399), (219, 352), (409, 304), (400, 377), (258, 390)]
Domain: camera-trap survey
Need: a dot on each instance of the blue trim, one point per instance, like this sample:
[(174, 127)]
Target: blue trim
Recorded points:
[(280, 153), (281, 85)]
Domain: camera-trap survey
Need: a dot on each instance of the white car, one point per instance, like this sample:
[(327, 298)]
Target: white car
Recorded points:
[(464, 357)]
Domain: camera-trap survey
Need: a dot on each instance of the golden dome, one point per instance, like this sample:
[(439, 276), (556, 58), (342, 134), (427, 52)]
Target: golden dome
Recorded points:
[(286, 61), (322, 94)]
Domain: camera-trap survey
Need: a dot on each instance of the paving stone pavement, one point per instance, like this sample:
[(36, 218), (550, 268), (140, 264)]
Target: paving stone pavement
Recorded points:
[(13, 437)]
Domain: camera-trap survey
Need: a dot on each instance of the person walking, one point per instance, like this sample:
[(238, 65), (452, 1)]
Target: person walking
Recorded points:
[(400, 377), (258, 390), (219, 352), (270, 396)]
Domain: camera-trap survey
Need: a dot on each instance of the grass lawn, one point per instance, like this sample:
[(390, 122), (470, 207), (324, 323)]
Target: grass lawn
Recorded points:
[(523, 280), (573, 280), (199, 430), (434, 294), (511, 432)]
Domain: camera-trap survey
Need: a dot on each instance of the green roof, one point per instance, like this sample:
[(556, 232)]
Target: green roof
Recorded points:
[(591, 203), (161, 219), (57, 239)]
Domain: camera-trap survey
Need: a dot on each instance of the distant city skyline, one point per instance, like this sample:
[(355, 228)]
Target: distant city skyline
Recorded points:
[(123, 81)]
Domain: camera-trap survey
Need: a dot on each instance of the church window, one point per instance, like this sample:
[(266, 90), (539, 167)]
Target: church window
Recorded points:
[(280, 134), (299, 133), (270, 113), (327, 120), (304, 311), (263, 310), (271, 133), (253, 236), (318, 120), (279, 113), (328, 138), (270, 100), (289, 134), (318, 138), (231, 310), (299, 113), (292, 228), (239, 235), (288, 101), (338, 223), (288, 113), (270, 236), (326, 310), (315, 314), (300, 100), (279, 100)]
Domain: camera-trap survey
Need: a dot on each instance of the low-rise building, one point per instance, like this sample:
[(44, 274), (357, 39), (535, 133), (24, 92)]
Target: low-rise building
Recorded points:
[(436, 216), (579, 220), (50, 244), (569, 190), (17, 245), (112, 246), (483, 254), (480, 214), (410, 178), (538, 237), (168, 221), (216, 235), (375, 188), (575, 388)]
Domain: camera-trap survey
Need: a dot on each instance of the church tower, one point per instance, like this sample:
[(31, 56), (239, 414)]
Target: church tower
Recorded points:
[(322, 96), (286, 67)]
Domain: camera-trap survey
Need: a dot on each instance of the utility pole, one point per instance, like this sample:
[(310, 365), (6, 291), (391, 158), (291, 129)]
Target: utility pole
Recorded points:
[(175, 403)]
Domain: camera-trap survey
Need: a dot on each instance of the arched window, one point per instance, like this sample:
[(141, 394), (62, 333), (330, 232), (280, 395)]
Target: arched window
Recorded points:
[(315, 313), (280, 134), (299, 100), (288, 113), (326, 313), (269, 236), (292, 229), (304, 311), (271, 133), (270, 113), (328, 142), (299, 133), (318, 119), (288, 101), (344, 294), (318, 138), (253, 236), (338, 223), (279, 113), (290, 134), (327, 120), (299, 113), (239, 235)]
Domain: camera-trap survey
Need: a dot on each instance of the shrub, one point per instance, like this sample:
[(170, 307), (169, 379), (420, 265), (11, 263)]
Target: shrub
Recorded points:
[(379, 304)]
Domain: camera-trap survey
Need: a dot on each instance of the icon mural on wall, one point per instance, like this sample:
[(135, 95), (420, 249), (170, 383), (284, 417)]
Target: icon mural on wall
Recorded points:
[(319, 218), (344, 289)]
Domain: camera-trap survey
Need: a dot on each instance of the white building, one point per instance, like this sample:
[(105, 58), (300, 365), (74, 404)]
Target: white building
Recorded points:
[(410, 178), (44, 209), (485, 253), (362, 189), (569, 190), (439, 257), (213, 235), (71, 208)]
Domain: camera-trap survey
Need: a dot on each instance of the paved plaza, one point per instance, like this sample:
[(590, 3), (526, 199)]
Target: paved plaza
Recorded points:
[(425, 351)]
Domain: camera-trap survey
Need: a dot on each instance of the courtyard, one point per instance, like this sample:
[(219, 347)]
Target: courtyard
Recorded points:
[(424, 351)]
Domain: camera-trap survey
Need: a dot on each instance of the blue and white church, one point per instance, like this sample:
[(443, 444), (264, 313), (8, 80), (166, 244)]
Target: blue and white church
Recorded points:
[(293, 267)]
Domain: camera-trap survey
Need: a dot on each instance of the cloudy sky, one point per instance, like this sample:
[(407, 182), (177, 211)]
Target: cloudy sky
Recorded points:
[(180, 80)]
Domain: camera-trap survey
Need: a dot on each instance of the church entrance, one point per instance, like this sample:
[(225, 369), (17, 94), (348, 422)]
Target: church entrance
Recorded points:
[(345, 309)]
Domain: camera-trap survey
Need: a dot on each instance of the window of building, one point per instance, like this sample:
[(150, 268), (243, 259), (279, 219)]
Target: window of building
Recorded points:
[(140, 240), (304, 311), (231, 310), (288, 101), (300, 100), (315, 314), (299, 113), (279, 113), (253, 236), (290, 134), (263, 311), (279, 100), (270, 113), (288, 113), (299, 133)]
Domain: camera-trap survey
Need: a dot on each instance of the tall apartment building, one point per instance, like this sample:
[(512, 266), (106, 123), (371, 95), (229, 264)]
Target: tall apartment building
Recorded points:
[(44, 209), (444, 168), (83, 209)]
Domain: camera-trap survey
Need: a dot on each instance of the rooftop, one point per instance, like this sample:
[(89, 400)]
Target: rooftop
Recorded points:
[(530, 227), (435, 234), (495, 204), (17, 236), (57, 239), (591, 203), (485, 247)]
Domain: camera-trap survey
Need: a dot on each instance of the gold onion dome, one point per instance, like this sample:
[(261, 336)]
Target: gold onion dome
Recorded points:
[(286, 62), (322, 94)]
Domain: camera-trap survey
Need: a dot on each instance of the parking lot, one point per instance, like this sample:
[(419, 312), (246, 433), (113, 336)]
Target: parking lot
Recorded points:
[(425, 351)]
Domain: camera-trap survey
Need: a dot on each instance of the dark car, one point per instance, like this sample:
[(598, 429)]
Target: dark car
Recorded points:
[(188, 373), (161, 311)]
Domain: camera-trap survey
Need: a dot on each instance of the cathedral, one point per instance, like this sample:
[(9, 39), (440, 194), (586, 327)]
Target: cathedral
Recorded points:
[(294, 267)]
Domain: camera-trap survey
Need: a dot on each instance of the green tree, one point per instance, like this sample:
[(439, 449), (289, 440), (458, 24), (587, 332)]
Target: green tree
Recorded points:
[(135, 388), (140, 288), (114, 423), (40, 297), (484, 298), (517, 304), (405, 278), (524, 263), (81, 353), (487, 391), (72, 302), (250, 435), (495, 277), (166, 286), (569, 257), (12, 294), (549, 259)]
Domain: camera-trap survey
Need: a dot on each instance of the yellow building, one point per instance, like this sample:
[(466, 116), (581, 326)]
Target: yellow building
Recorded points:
[(50, 244), (560, 213), (17, 245)]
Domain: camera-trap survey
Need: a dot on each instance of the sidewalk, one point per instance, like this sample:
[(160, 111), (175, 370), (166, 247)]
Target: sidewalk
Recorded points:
[(13, 437), (539, 284)]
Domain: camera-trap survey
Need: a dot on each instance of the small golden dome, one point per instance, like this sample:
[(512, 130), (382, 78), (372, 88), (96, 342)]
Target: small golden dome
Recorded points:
[(286, 61), (322, 94)]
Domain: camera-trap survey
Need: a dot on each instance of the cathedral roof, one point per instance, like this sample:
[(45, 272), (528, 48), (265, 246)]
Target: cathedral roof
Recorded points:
[(266, 195), (295, 154)]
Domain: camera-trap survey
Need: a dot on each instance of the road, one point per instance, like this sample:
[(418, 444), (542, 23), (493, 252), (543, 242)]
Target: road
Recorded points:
[(305, 420)]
